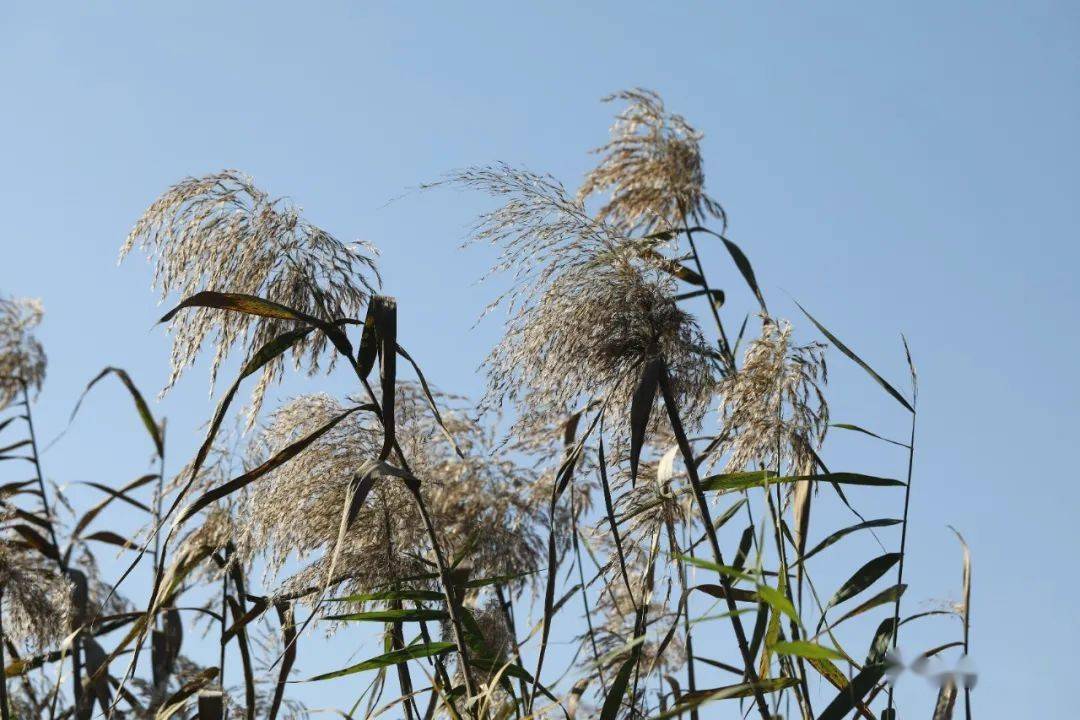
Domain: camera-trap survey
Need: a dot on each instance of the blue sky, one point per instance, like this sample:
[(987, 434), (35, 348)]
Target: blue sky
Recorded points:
[(895, 167)]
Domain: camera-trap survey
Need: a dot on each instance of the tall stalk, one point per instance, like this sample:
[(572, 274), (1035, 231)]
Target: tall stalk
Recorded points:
[(157, 506), (5, 713), (224, 615), (444, 570), (710, 531), (76, 646), (778, 518), (903, 537), (397, 638), (691, 679), (584, 591), (775, 508)]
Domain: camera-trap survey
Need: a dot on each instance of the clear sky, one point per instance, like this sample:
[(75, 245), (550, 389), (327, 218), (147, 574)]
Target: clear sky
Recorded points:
[(894, 166)]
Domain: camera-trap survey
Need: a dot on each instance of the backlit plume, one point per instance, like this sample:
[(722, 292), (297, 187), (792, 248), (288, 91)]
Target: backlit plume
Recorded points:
[(586, 312), (484, 500), (774, 411), (21, 355), (36, 602), (222, 233), (652, 169)]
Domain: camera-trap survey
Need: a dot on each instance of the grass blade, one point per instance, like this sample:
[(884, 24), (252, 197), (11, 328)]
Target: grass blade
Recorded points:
[(394, 657), (863, 578), (858, 361)]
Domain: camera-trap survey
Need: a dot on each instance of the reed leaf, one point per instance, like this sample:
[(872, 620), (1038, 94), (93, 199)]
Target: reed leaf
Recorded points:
[(858, 361), (863, 578), (394, 657)]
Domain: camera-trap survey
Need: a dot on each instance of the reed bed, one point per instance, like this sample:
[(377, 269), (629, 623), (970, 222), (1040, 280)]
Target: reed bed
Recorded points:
[(661, 491)]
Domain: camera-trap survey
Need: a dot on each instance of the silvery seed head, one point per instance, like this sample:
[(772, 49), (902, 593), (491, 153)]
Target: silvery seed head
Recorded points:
[(21, 355), (652, 168), (222, 233), (482, 505), (774, 411), (36, 603), (586, 312)]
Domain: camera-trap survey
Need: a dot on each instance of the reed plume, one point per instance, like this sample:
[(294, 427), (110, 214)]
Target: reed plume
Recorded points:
[(651, 168), (222, 233), (586, 311), (774, 412), (483, 501), (22, 358), (36, 605)]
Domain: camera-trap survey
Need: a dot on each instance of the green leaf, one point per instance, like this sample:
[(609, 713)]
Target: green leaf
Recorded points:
[(829, 671), (274, 462), (239, 302), (888, 595), (717, 296), (140, 405), (176, 702), (844, 478), (727, 482), (946, 700), (723, 518), (14, 446), (864, 431), (732, 572), (387, 324), (640, 409), (120, 494), (863, 578), (107, 536), (413, 652), (747, 271), (778, 601), (677, 270), (805, 649), (369, 339), (431, 401), (418, 595), (717, 591), (252, 305), (853, 693), (692, 700), (879, 646), (403, 615), (614, 698)]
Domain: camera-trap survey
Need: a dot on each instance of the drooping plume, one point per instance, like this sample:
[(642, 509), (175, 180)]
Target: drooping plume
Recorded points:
[(774, 411), (586, 311), (21, 355), (485, 500), (36, 600), (652, 168), (222, 233)]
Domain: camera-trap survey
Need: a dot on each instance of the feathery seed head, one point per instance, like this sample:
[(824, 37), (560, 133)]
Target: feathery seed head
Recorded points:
[(36, 600), (483, 501), (652, 168), (21, 355), (586, 312), (222, 233), (774, 411), (588, 337)]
